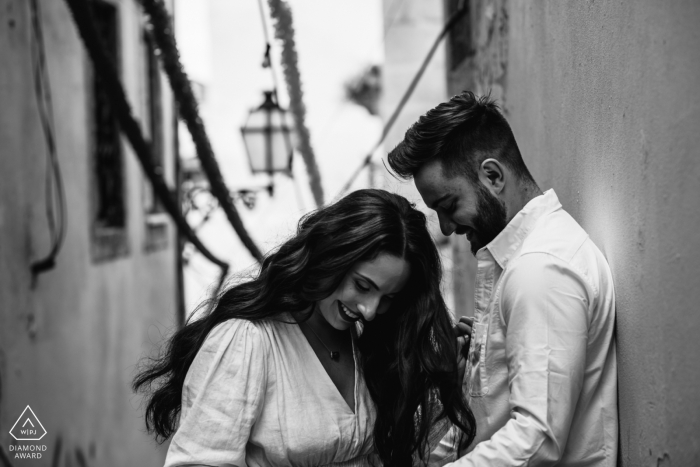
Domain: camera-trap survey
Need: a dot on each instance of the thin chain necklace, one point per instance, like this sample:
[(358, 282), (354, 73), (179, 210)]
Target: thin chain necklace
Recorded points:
[(334, 354)]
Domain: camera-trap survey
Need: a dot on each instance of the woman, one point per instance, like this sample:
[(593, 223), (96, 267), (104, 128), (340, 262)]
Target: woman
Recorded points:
[(278, 374)]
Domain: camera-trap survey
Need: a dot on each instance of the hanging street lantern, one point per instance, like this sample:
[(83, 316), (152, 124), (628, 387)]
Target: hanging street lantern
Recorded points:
[(268, 138)]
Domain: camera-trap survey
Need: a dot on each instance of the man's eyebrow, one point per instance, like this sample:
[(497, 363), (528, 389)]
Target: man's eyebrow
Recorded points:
[(436, 202), (371, 282)]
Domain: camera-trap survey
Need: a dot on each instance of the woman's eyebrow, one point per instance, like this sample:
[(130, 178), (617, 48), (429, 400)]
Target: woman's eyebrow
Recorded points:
[(371, 282)]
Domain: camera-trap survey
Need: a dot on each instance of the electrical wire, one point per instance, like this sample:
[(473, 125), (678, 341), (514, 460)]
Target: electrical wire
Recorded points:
[(462, 8), (267, 61), (265, 32), (54, 190), (394, 11)]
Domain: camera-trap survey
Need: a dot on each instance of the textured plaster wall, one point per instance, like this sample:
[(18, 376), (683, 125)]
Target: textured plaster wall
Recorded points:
[(603, 98), (69, 344)]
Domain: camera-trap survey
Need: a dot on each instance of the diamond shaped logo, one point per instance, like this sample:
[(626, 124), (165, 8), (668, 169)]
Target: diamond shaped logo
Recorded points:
[(28, 427)]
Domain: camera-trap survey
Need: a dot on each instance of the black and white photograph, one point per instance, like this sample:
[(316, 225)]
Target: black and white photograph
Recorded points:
[(352, 233)]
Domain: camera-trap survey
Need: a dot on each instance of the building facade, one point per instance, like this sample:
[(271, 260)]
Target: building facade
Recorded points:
[(71, 336)]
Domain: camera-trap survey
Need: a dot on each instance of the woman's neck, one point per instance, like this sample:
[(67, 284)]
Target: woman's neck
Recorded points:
[(321, 326)]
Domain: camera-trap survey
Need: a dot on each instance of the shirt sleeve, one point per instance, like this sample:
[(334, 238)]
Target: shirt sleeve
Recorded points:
[(545, 309), (445, 450), (435, 454), (221, 398)]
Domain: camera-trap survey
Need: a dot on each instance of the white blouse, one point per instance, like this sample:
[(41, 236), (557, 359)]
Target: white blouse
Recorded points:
[(257, 395)]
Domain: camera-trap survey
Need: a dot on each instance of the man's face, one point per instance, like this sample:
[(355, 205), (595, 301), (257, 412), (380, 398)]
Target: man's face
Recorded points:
[(463, 207)]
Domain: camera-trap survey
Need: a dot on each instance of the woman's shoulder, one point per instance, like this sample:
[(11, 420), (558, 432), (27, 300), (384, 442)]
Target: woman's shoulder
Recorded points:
[(233, 359), (237, 343), (257, 332), (230, 346)]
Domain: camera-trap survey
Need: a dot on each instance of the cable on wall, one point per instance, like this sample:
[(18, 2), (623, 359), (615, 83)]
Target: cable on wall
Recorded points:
[(54, 190)]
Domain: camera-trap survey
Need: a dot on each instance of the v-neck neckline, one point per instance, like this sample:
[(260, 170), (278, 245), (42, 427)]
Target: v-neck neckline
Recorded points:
[(329, 380)]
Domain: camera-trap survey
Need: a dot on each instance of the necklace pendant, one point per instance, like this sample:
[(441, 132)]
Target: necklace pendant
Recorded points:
[(335, 355)]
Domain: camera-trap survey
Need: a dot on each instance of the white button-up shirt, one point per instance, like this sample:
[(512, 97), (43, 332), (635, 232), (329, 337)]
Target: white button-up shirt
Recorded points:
[(542, 375)]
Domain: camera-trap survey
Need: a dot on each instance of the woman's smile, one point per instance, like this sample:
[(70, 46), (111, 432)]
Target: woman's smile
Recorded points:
[(346, 314)]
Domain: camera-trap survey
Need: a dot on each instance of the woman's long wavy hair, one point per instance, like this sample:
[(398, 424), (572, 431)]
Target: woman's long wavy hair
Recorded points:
[(408, 354)]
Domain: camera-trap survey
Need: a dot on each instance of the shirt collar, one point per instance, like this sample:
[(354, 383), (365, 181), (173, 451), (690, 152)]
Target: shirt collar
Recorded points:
[(509, 240)]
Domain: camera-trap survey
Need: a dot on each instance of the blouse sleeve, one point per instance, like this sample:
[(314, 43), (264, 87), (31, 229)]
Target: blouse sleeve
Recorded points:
[(222, 397)]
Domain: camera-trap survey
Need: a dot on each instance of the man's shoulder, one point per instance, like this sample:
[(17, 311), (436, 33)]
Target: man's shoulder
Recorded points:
[(557, 234)]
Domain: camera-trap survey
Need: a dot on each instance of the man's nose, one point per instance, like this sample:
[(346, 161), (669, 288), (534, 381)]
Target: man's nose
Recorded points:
[(446, 226), (368, 309)]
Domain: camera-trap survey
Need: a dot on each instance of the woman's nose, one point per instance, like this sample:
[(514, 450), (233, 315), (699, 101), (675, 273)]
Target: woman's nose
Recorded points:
[(368, 310)]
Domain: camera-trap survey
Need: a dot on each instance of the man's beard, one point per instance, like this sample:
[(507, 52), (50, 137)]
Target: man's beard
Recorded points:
[(490, 219)]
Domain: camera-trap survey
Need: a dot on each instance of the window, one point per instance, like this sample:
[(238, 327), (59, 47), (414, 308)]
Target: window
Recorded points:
[(154, 110), (156, 220), (108, 199)]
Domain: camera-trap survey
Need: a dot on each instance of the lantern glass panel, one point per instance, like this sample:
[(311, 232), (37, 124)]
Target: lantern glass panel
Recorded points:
[(281, 149), (276, 120), (257, 149), (281, 144), (257, 120)]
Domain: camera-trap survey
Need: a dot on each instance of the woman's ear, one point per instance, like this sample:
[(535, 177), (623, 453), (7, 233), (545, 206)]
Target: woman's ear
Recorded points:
[(492, 175)]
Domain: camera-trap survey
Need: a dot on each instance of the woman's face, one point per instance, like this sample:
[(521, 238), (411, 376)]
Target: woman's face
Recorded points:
[(366, 290)]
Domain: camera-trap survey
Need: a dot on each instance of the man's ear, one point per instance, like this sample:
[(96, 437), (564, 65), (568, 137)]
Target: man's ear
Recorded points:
[(493, 175)]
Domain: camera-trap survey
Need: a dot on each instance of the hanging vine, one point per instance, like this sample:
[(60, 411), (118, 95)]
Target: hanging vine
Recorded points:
[(105, 68), (161, 24), (284, 31)]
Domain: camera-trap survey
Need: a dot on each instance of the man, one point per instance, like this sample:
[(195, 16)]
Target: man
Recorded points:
[(541, 377)]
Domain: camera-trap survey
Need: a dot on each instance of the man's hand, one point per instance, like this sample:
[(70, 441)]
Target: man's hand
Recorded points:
[(463, 331)]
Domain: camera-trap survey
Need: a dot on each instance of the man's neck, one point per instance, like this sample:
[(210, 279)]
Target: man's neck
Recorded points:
[(523, 194)]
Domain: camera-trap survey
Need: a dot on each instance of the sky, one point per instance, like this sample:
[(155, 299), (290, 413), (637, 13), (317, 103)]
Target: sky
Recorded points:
[(221, 43)]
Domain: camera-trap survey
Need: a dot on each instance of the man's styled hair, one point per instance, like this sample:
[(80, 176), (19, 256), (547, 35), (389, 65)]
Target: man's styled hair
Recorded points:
[(462, 133)]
